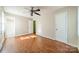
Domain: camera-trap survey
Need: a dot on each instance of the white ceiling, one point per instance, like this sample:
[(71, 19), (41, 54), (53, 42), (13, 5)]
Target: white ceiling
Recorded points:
[(17, 11), (25, 10)]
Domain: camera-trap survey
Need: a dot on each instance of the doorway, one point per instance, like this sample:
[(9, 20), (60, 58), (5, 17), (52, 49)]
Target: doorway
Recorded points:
[(32, 26)]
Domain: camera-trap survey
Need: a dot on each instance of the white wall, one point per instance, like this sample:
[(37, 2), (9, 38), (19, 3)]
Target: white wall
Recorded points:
[(45, 24), (78, 26), (30, 26), (72, 26), (21, 26)]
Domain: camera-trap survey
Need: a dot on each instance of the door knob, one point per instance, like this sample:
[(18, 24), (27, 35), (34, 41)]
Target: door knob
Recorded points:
[(56, 29)]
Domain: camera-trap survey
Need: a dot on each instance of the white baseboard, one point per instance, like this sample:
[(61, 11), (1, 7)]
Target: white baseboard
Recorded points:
[(17, 35), (23, 34), (47, 37), (74, 45)]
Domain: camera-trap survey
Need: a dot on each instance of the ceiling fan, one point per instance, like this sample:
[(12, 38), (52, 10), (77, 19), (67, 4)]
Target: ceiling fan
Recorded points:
[(34, 11)]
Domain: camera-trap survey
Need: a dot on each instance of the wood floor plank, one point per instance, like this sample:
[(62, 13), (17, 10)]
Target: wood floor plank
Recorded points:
[(35, 44)]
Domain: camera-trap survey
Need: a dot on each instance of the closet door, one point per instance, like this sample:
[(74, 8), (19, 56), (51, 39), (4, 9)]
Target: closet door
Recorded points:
[(61, 26)]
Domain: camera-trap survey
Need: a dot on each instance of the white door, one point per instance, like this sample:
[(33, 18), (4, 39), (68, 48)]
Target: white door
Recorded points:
[(61, 26), (10, 28)]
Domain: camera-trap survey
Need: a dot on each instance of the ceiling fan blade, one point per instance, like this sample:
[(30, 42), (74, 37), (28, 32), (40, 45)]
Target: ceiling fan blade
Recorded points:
[(37, 10), (37, 13)]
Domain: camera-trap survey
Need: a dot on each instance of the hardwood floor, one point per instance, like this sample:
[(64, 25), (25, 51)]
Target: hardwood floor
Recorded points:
[(35, 44)]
